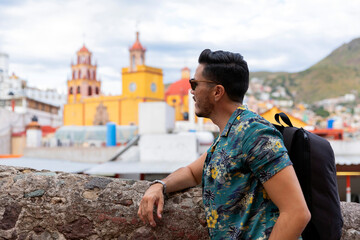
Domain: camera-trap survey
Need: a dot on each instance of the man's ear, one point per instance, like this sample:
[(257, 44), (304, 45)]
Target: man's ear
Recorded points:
[(219, 92)]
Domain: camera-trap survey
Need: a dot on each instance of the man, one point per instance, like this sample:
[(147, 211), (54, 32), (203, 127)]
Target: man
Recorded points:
[(250, 190)]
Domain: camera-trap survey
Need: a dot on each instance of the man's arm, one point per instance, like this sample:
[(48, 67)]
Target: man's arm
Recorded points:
[(182, 178), (285, 191)]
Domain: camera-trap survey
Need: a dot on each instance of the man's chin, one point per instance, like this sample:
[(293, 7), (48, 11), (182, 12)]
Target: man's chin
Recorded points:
[(199, 114)]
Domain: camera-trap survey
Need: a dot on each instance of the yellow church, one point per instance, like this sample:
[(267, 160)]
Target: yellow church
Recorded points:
[(87, 106), (177, 95)]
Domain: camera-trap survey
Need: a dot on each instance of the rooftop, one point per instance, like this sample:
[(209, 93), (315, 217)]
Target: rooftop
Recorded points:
[(137, 45)]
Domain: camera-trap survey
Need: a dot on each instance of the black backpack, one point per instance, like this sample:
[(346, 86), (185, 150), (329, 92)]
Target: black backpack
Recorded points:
[(314, 163)]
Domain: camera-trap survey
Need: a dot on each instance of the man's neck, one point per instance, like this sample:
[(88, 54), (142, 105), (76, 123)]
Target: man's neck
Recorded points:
[(222, 114)]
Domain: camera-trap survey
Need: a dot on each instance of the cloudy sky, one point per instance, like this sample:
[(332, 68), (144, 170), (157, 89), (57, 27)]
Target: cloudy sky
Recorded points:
[(41, 37)]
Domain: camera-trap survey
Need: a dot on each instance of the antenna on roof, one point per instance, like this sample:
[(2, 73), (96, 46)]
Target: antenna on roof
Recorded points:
[(83, 35), (137, 23)]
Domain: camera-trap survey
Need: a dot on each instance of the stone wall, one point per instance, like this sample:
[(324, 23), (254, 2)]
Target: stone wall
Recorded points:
[(5, 140), (49, 205), (76, 154)]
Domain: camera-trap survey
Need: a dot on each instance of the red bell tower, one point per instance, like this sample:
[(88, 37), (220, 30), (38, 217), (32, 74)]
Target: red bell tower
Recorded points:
[(83, 83), (137, 54)]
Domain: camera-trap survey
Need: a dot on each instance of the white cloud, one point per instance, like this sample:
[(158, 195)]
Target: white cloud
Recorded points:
[(267, 63), (42, 36)]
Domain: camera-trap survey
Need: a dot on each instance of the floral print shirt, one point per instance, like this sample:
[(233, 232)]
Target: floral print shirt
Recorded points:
[(247, 153)]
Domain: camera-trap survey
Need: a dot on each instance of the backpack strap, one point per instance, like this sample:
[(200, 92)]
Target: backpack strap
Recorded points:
[(284, 118), (288, 132), (303, 173), (288, 135), (307, 169)]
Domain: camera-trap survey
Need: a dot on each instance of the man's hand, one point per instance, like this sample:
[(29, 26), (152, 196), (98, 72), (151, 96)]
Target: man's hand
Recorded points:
[(182, 178), (153, 196)]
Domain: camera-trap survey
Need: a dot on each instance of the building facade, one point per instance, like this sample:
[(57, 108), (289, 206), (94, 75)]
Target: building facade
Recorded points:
[(49, 96), (84, 83), (86, 105), (23, 102)]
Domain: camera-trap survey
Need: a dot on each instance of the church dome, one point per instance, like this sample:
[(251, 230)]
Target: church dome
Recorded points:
[(180, 87), (84, 49), (137, 45)]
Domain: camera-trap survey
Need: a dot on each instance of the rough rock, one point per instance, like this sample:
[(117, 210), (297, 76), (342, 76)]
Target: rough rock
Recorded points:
[(47, 205), (351, 216)]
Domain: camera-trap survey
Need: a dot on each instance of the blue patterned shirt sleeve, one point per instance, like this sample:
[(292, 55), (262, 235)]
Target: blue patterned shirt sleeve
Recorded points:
[(266, 154)]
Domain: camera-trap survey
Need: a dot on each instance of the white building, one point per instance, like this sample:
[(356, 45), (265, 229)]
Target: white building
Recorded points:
[(46, 104), (16, 85), (47, 114), (49, 96), (8, 84), (19, 87), (4, 73)]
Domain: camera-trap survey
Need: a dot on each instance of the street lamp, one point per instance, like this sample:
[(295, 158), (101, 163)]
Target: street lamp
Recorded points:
[(11, 94), (34, 119)]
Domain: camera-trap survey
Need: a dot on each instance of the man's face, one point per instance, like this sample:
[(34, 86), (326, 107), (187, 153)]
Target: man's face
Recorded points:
[(203, 103)]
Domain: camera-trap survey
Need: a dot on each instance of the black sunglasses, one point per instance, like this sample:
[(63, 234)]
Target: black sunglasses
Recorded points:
[(193, 83)]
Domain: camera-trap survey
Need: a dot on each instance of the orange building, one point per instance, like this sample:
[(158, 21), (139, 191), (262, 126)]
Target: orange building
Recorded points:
[(177, 95)]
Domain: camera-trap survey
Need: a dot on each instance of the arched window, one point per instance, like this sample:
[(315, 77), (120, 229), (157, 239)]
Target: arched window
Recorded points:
[(78, 89), (79, 74), (89, 91), (94, 75), (73, 74), (133, 63), (97, 91), (70, 91), (88, 74)]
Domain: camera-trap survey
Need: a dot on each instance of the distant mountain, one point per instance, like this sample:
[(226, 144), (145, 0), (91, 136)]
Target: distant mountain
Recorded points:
[(335, 75)]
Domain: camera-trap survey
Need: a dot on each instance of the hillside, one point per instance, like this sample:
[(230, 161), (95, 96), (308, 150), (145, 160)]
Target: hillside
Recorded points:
[(335, 75)]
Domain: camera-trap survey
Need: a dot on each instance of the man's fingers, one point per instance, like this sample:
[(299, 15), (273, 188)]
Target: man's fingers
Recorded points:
[(142, 212), (139, 213), (149, 212), (160, 207), (153, 196)]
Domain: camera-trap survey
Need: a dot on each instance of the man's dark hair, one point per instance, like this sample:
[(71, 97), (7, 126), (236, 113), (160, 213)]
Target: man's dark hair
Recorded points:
[(227, 69)]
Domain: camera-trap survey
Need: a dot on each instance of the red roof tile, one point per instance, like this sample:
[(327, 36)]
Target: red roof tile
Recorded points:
[(137, 45), (84, 49), (180, 87), (47, 130)]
